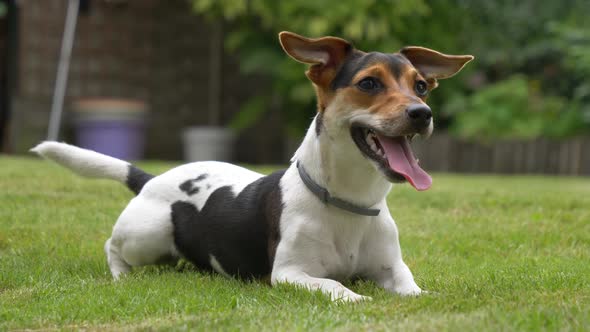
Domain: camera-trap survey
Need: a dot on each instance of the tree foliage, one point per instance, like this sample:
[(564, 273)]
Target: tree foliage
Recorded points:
[(532, 58), (253, 37)]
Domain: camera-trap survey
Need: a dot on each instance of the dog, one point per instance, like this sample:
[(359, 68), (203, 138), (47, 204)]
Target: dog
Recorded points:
[(325, 217)]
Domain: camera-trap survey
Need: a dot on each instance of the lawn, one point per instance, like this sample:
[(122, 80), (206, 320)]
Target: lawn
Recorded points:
[(496, 253)]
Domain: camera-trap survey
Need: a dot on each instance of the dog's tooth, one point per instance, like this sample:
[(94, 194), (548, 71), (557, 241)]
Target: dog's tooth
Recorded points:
[(372, 141), (374, 147)]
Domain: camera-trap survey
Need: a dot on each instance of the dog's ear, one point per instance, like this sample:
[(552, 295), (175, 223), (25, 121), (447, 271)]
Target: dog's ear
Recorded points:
[(325, 54), (434, 65)]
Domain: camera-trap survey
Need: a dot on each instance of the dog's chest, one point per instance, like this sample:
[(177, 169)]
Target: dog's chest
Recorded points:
[(332, 244), (342, 257), (329, 241)]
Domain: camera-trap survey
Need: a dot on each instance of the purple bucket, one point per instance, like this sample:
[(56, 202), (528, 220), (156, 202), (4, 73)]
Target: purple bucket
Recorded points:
[(114, 127)]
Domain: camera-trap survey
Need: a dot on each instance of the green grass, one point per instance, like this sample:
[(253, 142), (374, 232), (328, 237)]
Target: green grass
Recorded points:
[(497, 253)]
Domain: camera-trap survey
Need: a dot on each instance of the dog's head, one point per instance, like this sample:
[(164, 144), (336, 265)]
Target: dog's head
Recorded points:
[(379, 98)]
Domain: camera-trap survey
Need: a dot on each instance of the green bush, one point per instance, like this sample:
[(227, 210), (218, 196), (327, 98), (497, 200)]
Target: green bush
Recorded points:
[(514, 108)]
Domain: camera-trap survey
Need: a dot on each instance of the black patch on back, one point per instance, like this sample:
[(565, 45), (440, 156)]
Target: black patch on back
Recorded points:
[(189, 187), (358, 61), (240, 232), (136, 179), (201, 177)]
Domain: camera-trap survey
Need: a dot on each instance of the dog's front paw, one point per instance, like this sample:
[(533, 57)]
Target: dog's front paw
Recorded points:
[(345, 295), (409, 290), (351, 298)]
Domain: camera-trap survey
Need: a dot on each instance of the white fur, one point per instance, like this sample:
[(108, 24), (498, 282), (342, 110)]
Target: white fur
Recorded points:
[(321, 243), (83, 162), (318, 245)]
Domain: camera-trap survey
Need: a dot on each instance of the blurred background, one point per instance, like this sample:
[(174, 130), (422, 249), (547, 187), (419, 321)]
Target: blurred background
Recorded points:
[(156, 79)]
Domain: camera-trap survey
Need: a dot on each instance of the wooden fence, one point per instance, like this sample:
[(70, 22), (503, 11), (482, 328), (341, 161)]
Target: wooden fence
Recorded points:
[(537, 156)]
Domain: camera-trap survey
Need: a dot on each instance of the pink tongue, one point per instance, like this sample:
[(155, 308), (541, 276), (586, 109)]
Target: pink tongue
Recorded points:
[(402, 161)]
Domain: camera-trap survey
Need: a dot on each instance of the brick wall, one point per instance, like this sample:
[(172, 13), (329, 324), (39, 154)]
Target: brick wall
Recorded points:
[(153, 50)]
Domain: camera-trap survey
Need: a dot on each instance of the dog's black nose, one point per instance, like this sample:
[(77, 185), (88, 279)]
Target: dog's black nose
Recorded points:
[(419, 115)]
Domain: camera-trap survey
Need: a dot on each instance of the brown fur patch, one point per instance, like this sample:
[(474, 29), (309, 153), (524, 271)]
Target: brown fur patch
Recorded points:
[(324, 97), (395, 96)]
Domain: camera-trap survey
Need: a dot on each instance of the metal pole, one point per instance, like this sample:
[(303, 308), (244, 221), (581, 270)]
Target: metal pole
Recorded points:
[(62, 70), (215, 63)]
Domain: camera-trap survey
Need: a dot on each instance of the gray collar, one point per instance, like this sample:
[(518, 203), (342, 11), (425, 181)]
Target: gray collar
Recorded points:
[(324, 196)]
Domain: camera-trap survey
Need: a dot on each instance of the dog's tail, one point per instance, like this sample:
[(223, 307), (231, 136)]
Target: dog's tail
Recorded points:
[(93, 164)]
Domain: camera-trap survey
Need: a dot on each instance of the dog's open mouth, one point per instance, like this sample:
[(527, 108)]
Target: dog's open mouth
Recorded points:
[(393, 155)]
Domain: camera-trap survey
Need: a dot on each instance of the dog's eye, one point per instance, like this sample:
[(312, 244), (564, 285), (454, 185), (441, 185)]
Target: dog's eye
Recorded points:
[(421, 88), (369, 84)]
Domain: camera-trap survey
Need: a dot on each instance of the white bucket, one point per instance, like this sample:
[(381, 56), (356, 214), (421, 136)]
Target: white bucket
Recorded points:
[(208, 143)]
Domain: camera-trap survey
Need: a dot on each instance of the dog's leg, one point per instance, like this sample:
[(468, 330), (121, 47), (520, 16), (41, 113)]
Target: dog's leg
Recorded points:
[(141, 236), (399, 279), (391, 272), (117, 265), (334, 289)]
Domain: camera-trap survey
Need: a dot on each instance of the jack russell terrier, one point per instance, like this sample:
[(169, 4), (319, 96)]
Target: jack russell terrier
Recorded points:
[(323, 219)]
